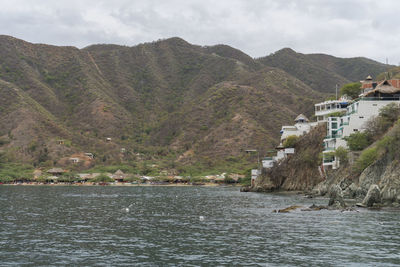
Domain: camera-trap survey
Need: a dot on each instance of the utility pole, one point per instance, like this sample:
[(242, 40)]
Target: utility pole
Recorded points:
[(336, 92)]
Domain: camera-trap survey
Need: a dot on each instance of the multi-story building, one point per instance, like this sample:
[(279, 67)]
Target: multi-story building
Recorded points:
[(373, 98), (324, 109)]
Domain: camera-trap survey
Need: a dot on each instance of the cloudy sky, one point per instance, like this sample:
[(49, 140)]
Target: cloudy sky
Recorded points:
[(344, 28)]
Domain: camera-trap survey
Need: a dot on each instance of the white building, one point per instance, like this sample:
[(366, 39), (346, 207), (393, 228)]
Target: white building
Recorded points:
[(357, 114), (324, 109), (281, 153), (302, 126), (254, 174)]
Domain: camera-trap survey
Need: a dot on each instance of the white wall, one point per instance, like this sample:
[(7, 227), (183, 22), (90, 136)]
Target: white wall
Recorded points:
[(298, 129), (364, 110)]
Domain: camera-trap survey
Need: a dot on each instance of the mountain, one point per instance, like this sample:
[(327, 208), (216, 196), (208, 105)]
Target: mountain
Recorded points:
[(167, 102), (322, 72)]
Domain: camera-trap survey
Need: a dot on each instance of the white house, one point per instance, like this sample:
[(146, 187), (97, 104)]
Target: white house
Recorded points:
[(357, 114), (254, 174), (281, 153), (302, 126)]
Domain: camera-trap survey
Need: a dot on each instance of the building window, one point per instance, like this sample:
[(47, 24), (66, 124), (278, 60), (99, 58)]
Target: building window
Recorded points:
[(334, 125), (361, 117), (356, 130), (374, 105)]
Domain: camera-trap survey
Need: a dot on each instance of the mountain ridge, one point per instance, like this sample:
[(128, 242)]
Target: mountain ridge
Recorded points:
[(169, 100)]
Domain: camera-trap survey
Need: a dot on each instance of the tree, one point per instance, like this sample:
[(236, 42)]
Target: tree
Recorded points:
[(378, 125), (351, 89), (341, 154), (290, 141), (358, 141), (102, 178), (390, 112)]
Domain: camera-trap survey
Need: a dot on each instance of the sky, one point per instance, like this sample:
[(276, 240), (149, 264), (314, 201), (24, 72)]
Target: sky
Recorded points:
[(257, 27)]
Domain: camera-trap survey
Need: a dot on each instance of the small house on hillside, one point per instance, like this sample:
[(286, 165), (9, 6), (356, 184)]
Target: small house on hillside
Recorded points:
[(74, 160), (302, 126)]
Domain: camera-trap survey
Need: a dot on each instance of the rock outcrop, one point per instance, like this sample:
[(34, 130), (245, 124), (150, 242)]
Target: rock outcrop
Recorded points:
[(336, 197), (373, 196), (297, 172)]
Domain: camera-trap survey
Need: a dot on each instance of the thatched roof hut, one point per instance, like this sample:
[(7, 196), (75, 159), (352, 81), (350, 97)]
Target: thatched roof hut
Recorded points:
[(384, 89), (119, 175), (301, 118)]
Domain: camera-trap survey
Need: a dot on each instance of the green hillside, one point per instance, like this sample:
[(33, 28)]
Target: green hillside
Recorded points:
[(168, 103), (322, 72)]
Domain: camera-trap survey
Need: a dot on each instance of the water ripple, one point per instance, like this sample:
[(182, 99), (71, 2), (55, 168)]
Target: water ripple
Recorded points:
[(186, 226)]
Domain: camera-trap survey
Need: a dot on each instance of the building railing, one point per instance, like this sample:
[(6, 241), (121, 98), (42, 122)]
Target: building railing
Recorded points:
[(329, 149), (379, 98), (333, 136), (328, 160), (328, 111), (344, 123)]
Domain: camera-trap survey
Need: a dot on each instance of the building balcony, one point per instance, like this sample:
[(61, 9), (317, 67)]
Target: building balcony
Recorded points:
[(333, 136), (380, 98), (328, 111)]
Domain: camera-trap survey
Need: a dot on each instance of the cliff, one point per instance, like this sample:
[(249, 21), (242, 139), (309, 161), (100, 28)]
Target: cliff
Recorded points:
[(297, 172), (379, 172)]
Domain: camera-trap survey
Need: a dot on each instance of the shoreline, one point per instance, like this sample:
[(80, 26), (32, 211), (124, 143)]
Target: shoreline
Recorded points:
[(123, 184)]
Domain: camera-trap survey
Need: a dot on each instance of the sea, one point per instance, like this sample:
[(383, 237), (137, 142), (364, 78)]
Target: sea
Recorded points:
[(186, 226)]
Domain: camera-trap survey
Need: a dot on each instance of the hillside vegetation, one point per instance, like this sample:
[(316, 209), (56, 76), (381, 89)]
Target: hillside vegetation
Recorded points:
[(323, 72), (168, 102)]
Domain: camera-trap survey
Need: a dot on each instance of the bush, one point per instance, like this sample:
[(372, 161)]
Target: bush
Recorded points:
[(308, 158), (131, 178), (69, 177), (229, 180), (358, 141), (291, 141), (102, 178), (337, 114), (390, 112), (367, 157), (341, 154), (245, 181), (351, 89), (13, 171), (377, 126)]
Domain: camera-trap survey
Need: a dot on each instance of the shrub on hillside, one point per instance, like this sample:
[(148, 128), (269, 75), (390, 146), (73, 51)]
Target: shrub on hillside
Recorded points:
[(291, 141), (102, 178), (342, 154), (358, 141), (351, 89), (378, 125), (390, 112), (366, 158)]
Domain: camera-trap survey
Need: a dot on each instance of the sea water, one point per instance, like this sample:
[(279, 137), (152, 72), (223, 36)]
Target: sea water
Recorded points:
[(186, 226)]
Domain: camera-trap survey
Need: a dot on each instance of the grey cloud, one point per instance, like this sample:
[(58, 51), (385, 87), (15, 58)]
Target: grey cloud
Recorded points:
[(258, 27)]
